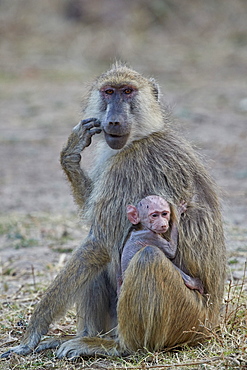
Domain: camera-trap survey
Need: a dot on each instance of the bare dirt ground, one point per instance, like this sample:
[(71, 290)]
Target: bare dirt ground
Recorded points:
[(199, 56)]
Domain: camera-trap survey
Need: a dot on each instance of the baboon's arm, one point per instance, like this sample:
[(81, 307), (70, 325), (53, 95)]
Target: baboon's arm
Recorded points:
[(190, 282), (70, 158)]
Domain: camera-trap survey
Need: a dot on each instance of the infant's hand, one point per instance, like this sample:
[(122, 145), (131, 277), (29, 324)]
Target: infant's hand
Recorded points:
[(182, 208)]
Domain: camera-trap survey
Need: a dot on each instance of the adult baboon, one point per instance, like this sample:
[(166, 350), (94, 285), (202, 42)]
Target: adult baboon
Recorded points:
[(138, 154)]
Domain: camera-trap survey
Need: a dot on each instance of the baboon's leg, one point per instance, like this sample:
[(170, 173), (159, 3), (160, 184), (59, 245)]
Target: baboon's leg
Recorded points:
[(96, 307), (155, 308), (96, 312), (86, 262)]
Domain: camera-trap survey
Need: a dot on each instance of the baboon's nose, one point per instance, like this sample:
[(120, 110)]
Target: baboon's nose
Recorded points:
[(114, 123)]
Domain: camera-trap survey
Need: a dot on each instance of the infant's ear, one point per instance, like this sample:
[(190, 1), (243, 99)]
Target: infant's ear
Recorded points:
[(132, 214)]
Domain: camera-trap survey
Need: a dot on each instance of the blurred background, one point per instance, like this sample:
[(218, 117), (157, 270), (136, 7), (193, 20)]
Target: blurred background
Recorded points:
[(50, 50)]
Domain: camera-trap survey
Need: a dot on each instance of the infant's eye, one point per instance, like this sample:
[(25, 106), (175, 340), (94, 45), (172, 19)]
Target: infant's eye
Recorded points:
[(164, 214), (154, 215), (109, 91), (128, 91)]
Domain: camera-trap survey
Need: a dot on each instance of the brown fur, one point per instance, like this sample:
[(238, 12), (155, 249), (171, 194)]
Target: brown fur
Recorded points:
[(156, 323), (155, 307)]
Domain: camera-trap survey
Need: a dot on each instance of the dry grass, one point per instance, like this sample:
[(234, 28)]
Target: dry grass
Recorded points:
[(226, 347)]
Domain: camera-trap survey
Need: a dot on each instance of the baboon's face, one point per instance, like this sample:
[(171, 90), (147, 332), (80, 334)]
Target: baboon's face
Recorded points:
[(117, 103), (154, 213)]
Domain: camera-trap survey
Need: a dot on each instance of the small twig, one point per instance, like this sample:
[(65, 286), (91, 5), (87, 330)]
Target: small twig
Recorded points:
[(8, 343), (227, 302), (232, 359), (193, 363), (33, 275), (14, 296), (238, 305)]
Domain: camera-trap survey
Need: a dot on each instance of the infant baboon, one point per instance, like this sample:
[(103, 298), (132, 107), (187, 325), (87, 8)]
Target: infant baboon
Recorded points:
[(137, 154), (152, 215)]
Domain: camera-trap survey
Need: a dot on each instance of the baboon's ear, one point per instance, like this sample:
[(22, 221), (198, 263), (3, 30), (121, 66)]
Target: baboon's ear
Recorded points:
[(155, 88), (132, 214)]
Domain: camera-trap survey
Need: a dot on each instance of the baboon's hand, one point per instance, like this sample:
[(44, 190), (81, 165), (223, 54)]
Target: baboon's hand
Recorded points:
[(78, 140), (22, 349), (193, 283), (182, 208), (85, 130)]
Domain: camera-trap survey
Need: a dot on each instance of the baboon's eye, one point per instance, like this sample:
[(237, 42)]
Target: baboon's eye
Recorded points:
[(128, 91), (109, 91)]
